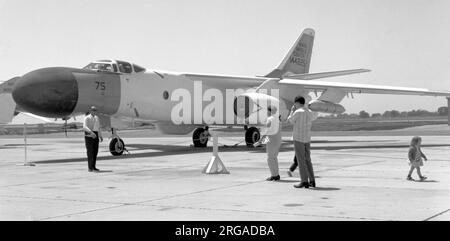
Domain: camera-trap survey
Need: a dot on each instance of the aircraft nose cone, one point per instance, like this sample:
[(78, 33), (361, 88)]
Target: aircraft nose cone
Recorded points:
[(49, 92)]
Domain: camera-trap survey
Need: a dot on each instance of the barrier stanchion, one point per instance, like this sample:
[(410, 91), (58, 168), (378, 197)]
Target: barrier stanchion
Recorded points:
[(215, 165), (26, 163)]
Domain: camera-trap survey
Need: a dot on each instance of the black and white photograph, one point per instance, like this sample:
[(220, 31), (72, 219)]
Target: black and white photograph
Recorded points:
[(216, 110)]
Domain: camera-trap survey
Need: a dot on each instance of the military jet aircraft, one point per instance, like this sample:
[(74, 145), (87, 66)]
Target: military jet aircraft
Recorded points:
[(179, 103)]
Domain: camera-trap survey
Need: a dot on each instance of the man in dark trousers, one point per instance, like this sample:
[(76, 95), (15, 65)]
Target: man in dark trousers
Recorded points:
[(92, 137), (301, 118)]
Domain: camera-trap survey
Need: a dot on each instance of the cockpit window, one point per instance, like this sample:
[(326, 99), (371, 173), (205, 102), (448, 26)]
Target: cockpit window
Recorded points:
[(138, 68), (124, 67), (100, 67)]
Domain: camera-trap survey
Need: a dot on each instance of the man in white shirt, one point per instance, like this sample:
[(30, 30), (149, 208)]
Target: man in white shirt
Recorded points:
[(301, 118), (272, 133), (92, 137)]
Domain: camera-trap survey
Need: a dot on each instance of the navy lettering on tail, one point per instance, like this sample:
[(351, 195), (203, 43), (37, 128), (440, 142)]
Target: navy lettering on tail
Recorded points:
[(298, 59)]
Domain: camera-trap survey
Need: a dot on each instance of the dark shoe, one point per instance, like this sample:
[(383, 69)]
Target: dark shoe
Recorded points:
[(409, 178), (290, 174), (423, 178), (312, 184), (301, 185), (90, 170), (275, 178), (96, 170)]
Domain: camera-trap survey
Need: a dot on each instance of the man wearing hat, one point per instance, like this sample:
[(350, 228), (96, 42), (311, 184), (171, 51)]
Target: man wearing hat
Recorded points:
[(92, 136)]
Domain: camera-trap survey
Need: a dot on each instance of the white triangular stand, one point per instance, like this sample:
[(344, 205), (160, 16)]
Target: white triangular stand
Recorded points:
[(215, 165)]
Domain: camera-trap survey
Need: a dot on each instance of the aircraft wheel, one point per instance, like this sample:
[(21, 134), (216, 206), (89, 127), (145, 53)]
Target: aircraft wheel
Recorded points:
[(252, 135), (116, 147), (200, 137)]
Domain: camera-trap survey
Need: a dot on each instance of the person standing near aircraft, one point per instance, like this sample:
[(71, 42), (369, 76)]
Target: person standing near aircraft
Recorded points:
[(301, 118), (272, 134), (93, 136), (416, 156)]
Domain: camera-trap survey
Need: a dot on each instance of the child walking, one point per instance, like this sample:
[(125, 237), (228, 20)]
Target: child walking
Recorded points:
[(415, 156)]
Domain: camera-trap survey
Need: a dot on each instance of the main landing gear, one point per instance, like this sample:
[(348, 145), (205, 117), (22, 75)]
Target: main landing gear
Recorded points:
[(252, 135), (116, 146), (201, 136)]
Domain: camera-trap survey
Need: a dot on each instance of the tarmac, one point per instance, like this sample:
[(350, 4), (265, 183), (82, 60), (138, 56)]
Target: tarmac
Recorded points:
[(358, 178)]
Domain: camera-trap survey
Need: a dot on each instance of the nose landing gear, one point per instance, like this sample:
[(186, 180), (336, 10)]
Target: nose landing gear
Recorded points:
[(116, 146)]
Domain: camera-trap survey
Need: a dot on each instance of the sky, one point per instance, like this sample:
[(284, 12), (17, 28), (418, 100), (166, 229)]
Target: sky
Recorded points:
[(404, 42)]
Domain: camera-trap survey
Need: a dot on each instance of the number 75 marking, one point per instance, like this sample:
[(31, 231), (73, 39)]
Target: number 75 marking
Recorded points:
[(100, 85)]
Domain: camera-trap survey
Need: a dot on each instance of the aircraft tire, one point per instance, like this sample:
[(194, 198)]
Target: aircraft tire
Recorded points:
[(252, 135), (200, 138), (116, 147)]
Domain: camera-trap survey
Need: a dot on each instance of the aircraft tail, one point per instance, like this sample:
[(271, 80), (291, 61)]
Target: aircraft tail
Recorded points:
[(298, 59)]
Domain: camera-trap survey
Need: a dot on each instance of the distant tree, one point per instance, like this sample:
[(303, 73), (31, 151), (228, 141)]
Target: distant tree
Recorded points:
[(364, 114), (404, 114), (391, 114), (342, 116), (395, 113), (376, 115), (387, 114), (421, 113), (443, 111)]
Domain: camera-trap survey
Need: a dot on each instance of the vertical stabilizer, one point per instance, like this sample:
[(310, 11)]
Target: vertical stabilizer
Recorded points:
[(298, 59)]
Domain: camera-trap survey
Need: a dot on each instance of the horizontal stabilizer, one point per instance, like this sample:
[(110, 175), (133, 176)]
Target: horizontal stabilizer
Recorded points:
[(325, 74)]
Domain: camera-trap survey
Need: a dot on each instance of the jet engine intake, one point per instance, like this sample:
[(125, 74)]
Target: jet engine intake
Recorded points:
[(248, 104)]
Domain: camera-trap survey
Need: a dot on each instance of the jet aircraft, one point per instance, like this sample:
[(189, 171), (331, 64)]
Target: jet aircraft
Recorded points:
[(121, 90)]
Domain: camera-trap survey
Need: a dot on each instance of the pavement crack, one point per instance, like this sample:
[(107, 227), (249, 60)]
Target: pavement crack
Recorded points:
[(80, 213), (197, 192), (435, 216)]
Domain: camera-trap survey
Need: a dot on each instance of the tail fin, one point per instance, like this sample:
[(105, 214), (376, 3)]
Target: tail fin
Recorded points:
[(298, 59)]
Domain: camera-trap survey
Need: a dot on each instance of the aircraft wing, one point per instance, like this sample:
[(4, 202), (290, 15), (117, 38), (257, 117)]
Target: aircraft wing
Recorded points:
[(219, 80), (314, 85), (309, 82)]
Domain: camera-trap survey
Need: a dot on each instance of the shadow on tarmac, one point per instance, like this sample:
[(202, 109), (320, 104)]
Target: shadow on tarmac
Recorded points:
[(432, 181), (169, 150), (105, 171), (325, 189), (287, 181)]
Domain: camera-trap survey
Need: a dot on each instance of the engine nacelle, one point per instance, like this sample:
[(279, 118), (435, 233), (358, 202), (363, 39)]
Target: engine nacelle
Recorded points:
[(326, 107), (249, 105)]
